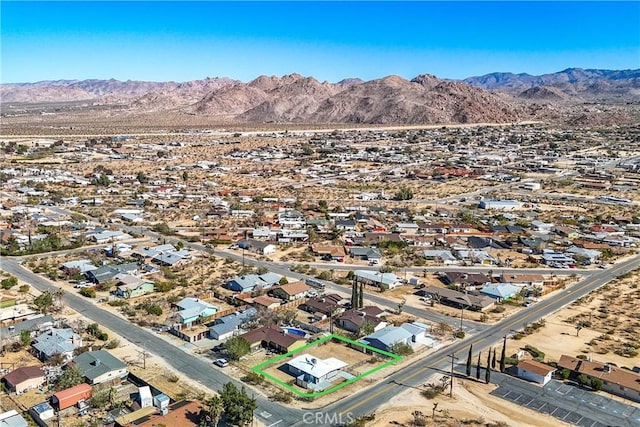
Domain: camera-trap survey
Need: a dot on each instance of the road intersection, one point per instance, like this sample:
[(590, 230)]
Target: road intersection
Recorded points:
[(360, 403)]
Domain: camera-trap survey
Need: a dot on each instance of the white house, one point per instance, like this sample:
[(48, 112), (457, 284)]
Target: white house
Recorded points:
[(375, 278), (535, 371), (314, 373)]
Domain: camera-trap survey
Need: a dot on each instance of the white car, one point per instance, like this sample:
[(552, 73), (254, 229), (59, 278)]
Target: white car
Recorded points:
[(221, 362)]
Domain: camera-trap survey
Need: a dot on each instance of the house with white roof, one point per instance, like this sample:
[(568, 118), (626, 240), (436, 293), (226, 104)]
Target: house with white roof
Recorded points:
[(315, 373), (376, 278)]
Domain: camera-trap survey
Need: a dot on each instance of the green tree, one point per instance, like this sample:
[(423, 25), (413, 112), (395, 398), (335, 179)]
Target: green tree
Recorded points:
[(283, 281), (401, 349), (142, 178), (487, 375), (489, 359), (583, 380), (72, 376), (478, 367), (581, 325), (596, 384), (154, 309), (468, 372), (365, 329), (9, 282), (44, 302), (503, 355), (565, 374), (210, 416), (404, 193), (238, 406), (25, 338), (237, 347), (493, 360)]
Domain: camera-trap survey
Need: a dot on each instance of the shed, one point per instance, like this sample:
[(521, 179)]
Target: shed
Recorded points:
[(42, 411), (161, 400), (535, 371), (146, 399), (67, 398)]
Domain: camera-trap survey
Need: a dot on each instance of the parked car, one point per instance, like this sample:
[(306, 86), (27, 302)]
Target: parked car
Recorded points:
[(221, 362)]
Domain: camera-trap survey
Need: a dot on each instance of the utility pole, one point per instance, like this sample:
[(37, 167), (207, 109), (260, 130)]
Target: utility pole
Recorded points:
[(453, 358), (144, 355)]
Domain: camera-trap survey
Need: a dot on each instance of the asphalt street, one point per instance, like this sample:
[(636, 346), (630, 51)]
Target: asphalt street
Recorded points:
[(363, 402)]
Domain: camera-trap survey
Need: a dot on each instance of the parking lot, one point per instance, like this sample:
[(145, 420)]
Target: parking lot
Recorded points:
[(568, 403)]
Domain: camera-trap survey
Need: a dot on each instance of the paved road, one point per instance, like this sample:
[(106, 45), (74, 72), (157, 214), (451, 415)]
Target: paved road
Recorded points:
[(363, 402), (415, 374), (185, 363)]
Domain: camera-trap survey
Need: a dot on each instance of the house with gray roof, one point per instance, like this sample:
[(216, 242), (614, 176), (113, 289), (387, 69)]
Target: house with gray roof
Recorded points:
[(81, 265), (128, 286), (13, 419), (227, 326), (442, 255), (172, 259), (100, 366), (500, 291), (257, 246), (108, 236), (33, 325), (193, 310), (57, 341), (251, 282), (109, 272), (387, 337), (364, 253)]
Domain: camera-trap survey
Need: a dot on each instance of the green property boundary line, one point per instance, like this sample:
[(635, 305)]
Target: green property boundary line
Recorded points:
[(258, 369)]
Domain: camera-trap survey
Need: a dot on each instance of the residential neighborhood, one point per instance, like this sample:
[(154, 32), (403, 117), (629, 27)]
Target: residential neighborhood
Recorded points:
[(350, 264)]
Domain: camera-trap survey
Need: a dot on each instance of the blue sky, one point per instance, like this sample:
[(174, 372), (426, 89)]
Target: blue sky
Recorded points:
[(164, 41)]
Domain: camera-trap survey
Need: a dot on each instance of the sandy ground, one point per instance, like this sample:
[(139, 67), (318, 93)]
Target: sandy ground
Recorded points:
[(471, 405), (613, 312)]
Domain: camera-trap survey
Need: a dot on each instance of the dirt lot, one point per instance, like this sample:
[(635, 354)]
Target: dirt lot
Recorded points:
[(471, 405), (613, 313)]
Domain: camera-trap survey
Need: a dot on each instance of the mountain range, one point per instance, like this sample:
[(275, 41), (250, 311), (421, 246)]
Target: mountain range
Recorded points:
[(496, 97)]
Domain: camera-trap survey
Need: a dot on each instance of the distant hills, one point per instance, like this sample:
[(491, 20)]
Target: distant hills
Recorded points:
[(572, 83), (496, 97)]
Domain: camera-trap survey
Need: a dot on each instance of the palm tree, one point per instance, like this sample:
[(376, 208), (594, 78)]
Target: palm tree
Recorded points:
[(212, 414)]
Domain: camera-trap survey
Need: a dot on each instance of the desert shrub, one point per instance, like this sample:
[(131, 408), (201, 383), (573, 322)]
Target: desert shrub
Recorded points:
[(459, 334), (498, 309), (537, 354), (114, 343), (154, 309), (253, 378), (117, 303), (88, 292), (282, 396)]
